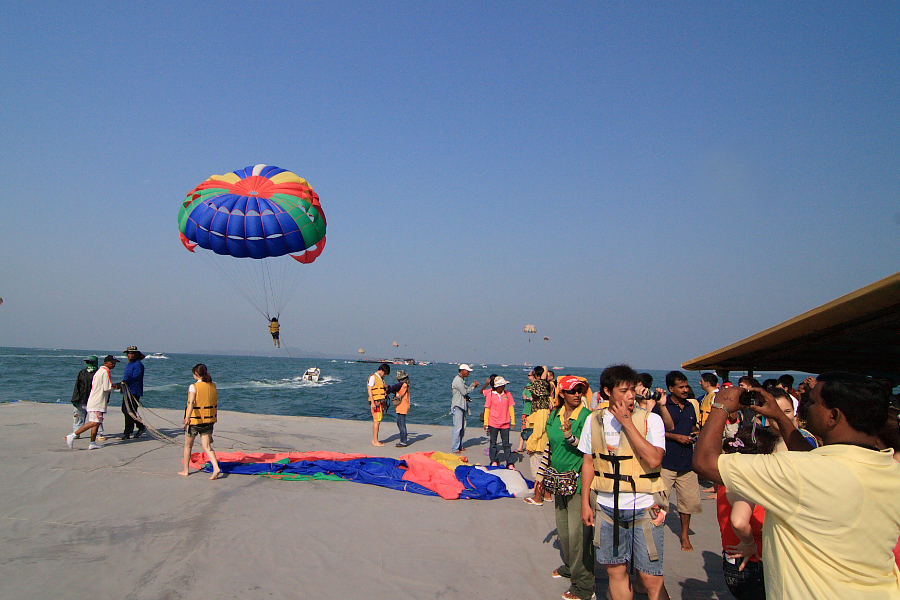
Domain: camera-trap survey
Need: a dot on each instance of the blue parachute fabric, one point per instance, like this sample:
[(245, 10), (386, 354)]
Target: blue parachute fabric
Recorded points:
[(380, 471), (480, 485), (267, 171)]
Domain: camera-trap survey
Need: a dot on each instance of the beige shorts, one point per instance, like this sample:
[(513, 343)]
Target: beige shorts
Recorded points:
[(95, 417), (687, 488)]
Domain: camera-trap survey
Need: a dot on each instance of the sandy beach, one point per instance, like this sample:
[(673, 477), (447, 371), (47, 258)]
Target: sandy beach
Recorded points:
[(120, 523)]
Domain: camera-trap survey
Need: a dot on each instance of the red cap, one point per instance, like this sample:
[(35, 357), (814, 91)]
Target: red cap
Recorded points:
[(568, 382)]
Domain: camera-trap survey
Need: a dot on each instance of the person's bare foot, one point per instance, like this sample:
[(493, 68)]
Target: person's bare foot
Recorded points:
[(185, 473), (686, 545), (215, 474), (377, 444)]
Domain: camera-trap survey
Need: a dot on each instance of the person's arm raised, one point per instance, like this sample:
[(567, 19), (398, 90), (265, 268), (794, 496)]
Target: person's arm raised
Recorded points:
[(709, 446)]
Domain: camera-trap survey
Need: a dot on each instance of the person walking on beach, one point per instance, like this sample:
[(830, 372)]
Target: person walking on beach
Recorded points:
[(199, 418), (499, 414), (459, 407), (832, 513), (402, 400), (82, 391), (680, 414), (101, 386), (377, 393), (133, 377)]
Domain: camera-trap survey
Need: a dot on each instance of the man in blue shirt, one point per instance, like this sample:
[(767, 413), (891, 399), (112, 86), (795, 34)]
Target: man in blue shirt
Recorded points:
[(680, 415), (134, 379)]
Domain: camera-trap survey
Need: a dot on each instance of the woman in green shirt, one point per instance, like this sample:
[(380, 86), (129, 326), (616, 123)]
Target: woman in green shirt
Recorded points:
[(563, 431)]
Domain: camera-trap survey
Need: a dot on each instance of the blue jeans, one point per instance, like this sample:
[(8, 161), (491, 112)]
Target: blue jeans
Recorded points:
[(495, 447), (401, 425), (459, 428)]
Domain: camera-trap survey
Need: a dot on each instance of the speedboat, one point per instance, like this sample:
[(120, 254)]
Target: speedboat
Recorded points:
[(312, 375)]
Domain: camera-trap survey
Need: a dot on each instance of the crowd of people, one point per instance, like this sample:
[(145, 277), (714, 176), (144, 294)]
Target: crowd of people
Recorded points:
[(806, 480), (806, 483)]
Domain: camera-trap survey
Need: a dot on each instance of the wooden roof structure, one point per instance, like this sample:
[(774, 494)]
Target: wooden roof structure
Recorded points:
[(858, 332)]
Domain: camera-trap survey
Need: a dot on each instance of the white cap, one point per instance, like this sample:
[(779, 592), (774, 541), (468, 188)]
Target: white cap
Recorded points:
[(465, 367), (498, 381)]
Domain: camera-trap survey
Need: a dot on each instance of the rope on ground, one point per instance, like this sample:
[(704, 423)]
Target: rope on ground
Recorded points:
[(138, 415), (130, 403)]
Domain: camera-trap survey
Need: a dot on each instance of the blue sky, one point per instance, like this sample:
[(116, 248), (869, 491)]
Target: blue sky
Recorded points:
[(644, 182)]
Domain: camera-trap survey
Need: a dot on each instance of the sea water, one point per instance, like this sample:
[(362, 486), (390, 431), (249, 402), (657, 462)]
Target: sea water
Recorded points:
[(272, 385)]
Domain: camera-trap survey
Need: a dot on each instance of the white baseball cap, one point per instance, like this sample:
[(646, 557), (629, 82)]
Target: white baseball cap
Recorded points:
[(465, 367)]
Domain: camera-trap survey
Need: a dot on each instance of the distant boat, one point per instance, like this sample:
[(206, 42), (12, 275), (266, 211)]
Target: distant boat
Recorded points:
[(158, 355), (311, 375)]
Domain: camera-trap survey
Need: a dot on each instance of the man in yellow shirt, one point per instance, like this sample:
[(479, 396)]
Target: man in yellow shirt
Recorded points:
[(833, 513)]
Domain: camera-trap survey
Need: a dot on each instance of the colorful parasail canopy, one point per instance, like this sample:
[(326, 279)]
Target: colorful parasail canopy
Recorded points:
[(256, 212), (251, 218), (530, 329)]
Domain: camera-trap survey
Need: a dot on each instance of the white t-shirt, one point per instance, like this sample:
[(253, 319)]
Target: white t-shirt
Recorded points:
[(100, 389), (612, 429)]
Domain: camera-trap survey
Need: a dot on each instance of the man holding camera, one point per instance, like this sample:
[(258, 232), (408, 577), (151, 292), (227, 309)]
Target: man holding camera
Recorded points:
[(680, 415), (833, 513)]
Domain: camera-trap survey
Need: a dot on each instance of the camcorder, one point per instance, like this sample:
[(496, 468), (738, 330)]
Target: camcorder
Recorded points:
[(651, 395)]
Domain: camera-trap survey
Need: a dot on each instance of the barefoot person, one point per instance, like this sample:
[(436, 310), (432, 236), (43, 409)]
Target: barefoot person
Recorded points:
[(199, 417), (377, 392)]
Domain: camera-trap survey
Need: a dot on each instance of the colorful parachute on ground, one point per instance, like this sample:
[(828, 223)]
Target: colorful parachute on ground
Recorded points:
[(259, 213), (427, 473)]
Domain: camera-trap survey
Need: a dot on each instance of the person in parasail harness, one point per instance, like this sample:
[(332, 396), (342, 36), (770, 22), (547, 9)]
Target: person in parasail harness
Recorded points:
[(273, 329)]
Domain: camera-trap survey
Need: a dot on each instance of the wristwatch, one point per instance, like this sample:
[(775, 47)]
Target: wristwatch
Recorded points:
[(720, 405)]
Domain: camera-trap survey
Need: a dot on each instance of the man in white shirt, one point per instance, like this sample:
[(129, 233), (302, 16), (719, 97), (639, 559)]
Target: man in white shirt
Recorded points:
[(101, 386), (624, 494)]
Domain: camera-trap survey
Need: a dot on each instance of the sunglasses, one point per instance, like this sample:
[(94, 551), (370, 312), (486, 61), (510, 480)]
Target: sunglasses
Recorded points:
[(576, 391)]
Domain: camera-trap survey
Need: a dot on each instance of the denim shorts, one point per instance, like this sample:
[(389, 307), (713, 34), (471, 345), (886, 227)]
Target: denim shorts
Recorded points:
[(631, 542), (526, 433)]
